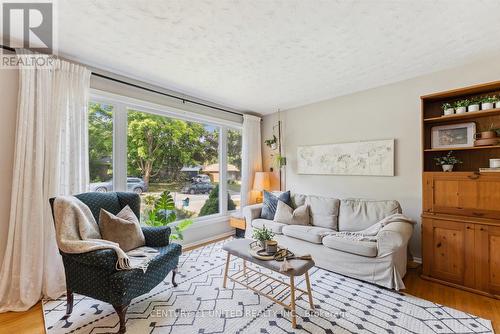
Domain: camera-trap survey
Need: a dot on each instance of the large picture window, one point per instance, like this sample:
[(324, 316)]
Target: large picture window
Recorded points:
[(158, 152)]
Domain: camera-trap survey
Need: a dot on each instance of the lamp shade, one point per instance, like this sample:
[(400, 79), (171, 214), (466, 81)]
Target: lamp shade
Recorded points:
[(262, 181)]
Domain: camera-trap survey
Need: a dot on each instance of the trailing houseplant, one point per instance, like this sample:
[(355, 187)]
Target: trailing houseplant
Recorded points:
[(447, 109), (447, 162), (272, 143), (160, 211), (262, 235)]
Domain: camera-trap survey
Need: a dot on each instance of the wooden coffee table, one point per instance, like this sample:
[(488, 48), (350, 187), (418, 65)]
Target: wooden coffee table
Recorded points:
[(265, 285)]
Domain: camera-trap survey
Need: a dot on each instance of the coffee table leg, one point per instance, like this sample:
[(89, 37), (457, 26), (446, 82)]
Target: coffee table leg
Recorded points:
[(226, 269), (309, 293), (292, 302), (244, 267)]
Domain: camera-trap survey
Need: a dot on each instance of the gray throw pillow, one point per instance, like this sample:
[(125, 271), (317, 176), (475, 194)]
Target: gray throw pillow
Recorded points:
[(124, 228), (270, 203), (285, 214)]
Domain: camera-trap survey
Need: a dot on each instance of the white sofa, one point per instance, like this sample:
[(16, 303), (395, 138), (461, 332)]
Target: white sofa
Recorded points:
[(382, 262)]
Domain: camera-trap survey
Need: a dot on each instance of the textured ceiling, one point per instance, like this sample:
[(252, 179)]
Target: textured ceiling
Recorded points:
[(263, 55)]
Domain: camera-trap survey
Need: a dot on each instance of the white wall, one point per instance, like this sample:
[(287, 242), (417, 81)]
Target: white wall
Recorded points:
[(391, 111), (8, 96)]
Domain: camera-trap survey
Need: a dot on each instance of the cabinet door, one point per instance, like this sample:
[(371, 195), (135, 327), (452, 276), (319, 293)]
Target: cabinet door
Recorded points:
[(488, 260), (448, 251), (475, 195)]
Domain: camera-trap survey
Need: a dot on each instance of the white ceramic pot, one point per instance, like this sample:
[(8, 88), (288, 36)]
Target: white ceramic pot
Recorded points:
[(447, 168), (449, 111), (461, 110), (497, 104), (473, 107), (494, 163), (486, 106)]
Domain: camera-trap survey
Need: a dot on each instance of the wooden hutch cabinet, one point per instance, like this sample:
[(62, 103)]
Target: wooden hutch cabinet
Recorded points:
[(461, 209)]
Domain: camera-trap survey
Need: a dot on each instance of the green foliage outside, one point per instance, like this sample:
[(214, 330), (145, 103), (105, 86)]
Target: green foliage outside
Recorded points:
[(158, 146), (211, 205), (161, 211), (100, 142)]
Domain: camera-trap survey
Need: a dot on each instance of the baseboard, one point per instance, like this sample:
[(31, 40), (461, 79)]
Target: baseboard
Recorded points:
[(207, 240)]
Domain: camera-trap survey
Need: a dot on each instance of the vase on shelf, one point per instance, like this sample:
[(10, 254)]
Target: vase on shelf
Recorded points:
[(447, 168), (473, 107)]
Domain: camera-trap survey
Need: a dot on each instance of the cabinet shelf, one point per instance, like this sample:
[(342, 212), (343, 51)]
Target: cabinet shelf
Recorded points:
[(461, 148), (467, 115)]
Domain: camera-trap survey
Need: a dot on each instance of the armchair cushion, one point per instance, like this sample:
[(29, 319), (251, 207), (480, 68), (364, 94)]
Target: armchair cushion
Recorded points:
[(128, 284), (156, 236)]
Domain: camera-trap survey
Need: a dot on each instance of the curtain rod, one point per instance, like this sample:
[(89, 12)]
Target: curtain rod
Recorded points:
[(184, 100)]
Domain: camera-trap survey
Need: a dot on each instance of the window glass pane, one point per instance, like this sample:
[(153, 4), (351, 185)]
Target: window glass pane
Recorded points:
[(101, 147), (234, 169), (169, 154)]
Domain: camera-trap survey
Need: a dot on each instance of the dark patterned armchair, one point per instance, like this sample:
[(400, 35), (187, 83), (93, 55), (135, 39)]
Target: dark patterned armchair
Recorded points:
[(94, 274)]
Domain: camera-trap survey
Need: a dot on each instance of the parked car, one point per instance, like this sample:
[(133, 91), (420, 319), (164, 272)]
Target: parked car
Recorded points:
[(197, 188), (134, 184), (201, 178)]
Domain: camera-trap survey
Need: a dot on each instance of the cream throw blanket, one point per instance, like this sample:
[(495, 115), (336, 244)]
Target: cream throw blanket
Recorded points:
[(77, 232), (370, 234)]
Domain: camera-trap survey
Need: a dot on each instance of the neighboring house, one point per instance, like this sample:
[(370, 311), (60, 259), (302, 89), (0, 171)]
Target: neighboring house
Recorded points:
[(190, 171), (233, 173)]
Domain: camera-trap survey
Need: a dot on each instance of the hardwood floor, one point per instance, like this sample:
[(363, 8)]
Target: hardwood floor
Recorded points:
[(31, 322)]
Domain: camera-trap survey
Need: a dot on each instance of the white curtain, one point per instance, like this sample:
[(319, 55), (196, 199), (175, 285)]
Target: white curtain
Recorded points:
[(51, 158), (251, 157)]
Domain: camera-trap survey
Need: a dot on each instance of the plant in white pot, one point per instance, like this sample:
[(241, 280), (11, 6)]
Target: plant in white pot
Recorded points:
[(447, 162), (461, 106), (448, 109), (262, 235), (488, 102), (474, 104), (497, 102)]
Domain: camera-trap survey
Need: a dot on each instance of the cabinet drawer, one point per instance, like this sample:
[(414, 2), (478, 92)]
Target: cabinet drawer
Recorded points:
[(467, 194)]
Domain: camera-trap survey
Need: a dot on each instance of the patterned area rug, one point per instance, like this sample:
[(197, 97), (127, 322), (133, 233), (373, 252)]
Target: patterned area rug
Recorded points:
[(200, 305)]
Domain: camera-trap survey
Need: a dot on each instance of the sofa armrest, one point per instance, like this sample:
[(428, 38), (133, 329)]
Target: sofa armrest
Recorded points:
[(251, 212), (393, 236), (156, 236), (102, 258)]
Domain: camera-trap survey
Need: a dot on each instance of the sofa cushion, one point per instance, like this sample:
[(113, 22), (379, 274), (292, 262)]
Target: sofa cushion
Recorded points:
[(324, 211), (308, 233), (364, 248), (269, 224), (286, 215), (359, 214), (271, 203)]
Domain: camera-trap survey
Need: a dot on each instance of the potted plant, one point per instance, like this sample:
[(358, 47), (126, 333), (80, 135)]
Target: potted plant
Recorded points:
[(487, 102), (447, 109), (447, 162), (279, 160), (272, 143), (263, 235), (497, 102), (461, 106), (474, 104)]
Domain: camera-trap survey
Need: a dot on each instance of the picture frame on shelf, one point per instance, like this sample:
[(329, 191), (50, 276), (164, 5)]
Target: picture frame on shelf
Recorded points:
[(453, 135)]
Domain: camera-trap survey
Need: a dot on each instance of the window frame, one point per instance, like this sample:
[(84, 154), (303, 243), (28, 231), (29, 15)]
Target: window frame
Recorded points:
[(123, 104)]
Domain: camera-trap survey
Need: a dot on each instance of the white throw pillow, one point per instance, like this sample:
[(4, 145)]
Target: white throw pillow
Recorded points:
[(287, 215)]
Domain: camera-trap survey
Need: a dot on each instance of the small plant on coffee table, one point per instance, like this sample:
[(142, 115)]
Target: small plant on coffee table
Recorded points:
[(262, 235)]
